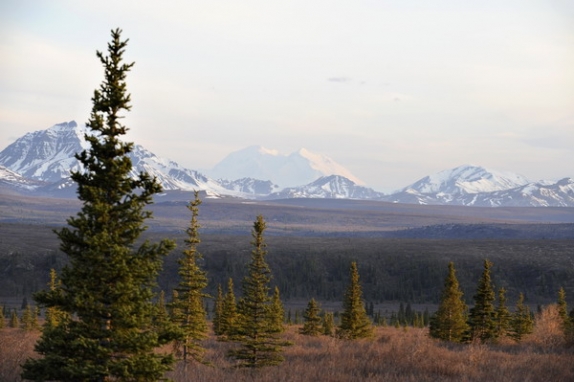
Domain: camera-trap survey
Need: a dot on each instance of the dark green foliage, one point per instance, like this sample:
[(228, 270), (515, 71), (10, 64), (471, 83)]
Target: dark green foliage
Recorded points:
[(218, 311), (521, 323), (106, 289), (328, 324), (189, 312), (354, 320), (312, 324), (29, 321), (14, 320), (260, 344), (277, 312), (54, 315), (229, 321), (562, 305), (502, 315), (482, 317), (567, 324)]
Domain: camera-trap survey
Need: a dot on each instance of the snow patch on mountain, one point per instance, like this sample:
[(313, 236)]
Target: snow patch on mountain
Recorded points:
[(332, 187), (467, 180)]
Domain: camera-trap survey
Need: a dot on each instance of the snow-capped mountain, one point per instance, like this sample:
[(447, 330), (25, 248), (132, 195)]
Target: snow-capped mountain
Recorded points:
[(458, 186), (332, 187), (39, 163), (11, 180), (298, 168), (539, 194), (467, 180), (250, 186), (477, 186), (48, 156)]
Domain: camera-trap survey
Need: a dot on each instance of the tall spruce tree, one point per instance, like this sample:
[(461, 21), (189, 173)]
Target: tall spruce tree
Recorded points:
[(229, 323), (312, 324), (277, 313), (354, 320), (53, 314), (189, 311), (521, 322), (567, 324), (218, 311), (449, 321), (328, 324), (482, 317), (260, 343), (502, 315), (14, 320), (106, 290)]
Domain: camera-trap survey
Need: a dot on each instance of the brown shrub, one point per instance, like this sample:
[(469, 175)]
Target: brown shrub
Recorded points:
[(393, 355)]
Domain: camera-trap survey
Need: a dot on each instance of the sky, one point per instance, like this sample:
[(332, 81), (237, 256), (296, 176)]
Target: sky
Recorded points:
[(392, 90)]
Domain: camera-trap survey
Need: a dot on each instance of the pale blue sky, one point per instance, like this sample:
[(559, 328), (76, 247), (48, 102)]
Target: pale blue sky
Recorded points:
[(392, 90)]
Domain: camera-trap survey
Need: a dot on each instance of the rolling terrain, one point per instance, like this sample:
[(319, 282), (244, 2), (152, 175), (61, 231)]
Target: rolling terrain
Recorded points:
[(402, 249)]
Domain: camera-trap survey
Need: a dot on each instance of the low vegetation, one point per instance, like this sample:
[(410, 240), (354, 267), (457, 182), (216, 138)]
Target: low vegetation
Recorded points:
[(391, 355)]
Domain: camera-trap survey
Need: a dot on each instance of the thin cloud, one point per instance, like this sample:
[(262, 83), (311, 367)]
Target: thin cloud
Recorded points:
[(338, 79)]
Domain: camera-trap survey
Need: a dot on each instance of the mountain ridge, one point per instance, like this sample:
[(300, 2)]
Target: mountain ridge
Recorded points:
[(39, 163)]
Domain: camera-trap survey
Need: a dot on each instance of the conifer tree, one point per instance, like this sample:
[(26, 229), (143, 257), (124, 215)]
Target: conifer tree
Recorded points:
[(229, 316), (312, 321), (502, 315), (328, 324), (521, 323), (54, 315), (189, 311), (277, 312), (1, 317), (106, 289), (567, 324), (14, 320), (482, 320), (218, 311), (260, 344), (161, 314), (354, 320), (29, 321)]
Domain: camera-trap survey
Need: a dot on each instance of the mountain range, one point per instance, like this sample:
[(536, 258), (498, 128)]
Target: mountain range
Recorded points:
[(39, 163)]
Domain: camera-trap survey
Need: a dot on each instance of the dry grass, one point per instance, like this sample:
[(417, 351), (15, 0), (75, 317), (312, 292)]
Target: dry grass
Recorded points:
[(394, 355)]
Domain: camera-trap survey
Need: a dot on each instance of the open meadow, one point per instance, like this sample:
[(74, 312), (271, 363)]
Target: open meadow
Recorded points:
[(393, 355)]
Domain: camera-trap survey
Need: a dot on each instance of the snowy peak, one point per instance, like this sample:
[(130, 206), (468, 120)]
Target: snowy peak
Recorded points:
[(297, 168), (46, 155), (49, 156), (467, 180), (332, 187)]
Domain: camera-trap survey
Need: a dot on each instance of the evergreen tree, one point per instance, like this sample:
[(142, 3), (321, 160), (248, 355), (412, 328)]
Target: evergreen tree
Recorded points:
[(482, 320), (218, 311), (14, 320), (161, 314), (328, 324), (1, 317), (260, 344), (502, 315), (567, 324), (190, 314), (229, 315), (54, 315), (106, 288), (354, 320), (277, 312), (521, 322), (312, 321), (29, 319)]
